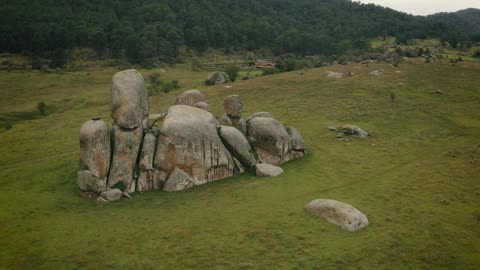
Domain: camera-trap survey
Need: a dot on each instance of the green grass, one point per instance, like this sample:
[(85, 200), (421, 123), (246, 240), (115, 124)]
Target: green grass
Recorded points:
[(417, 177)]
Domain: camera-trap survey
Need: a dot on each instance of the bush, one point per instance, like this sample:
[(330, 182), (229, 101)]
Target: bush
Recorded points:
[(232, 72), (154, 78), (270, 71), (42, 107)]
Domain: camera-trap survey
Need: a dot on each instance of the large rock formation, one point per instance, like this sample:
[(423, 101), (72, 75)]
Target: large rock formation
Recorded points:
[(94, 156), (189, 148), (189, 141), (341, 214)]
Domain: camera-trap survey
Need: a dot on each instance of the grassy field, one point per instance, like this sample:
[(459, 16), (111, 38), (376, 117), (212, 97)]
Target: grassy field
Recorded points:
[(417, 177)]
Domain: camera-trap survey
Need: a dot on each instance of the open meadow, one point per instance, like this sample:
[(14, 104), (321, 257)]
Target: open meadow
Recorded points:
[(417, 178)]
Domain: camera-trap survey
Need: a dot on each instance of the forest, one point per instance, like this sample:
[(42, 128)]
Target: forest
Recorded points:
[(154, 30)]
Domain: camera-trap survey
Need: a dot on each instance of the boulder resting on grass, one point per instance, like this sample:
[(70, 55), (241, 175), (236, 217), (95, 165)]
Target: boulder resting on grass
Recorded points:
[(263, 169), (341, 214)]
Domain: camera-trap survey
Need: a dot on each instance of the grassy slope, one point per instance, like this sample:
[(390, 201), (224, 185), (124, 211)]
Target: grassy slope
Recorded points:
[(416, 178)]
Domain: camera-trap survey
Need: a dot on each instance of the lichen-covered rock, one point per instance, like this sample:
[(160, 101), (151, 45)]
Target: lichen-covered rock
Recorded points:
[(126, 146), (270, 140), (145, 165), (297, 143), (341, 214), (178, 180), (95, 155), (263, 169), (233, 106), (237, 144), (129, 100), (190, 98), (189, 141)]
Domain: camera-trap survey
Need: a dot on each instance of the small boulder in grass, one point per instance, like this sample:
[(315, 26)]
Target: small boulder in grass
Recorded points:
[(263, 169), (341, 214)]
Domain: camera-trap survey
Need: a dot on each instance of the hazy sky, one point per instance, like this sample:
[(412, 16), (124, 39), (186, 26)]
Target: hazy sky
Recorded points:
[(425, 7)]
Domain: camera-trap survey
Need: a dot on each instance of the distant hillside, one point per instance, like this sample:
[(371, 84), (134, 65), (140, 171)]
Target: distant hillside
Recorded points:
[(467, 20), (153, 30)]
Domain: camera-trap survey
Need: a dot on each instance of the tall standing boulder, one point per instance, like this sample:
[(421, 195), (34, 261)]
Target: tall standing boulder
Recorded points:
[(129, 101), (145, 162), (129, 109), (270, 140), (189, 141), (237, 144), (95, 155), (124, 159)]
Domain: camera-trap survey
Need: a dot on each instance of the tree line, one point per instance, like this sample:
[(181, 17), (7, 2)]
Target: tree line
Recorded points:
[(154, 30)]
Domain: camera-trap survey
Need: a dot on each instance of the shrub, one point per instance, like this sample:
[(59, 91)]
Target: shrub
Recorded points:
[(8, 124), (270, 71), (154, 78), (232, 72), (42, 107)]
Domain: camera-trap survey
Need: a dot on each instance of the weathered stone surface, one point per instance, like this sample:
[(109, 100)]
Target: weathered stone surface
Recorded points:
[(202, 105), (341, 214), (353, 130), (146, 171), (237, 144), (269, 139), (233, 106), (260, 114), (95, 155), (125, 152), (178, 180), (296, 142), (190, 98), (263, 169), (112, 195), (238, 123), (189, 141), (129, 101)]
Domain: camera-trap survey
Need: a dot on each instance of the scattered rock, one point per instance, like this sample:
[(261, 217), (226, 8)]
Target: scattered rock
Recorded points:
[(263, 169), (177, 181), (439, 92), (376, 72), (112, 195), (335, 75), (353, 130), (341, 214), (129, 101), (332, 128), (237, 144), (94, 156)]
